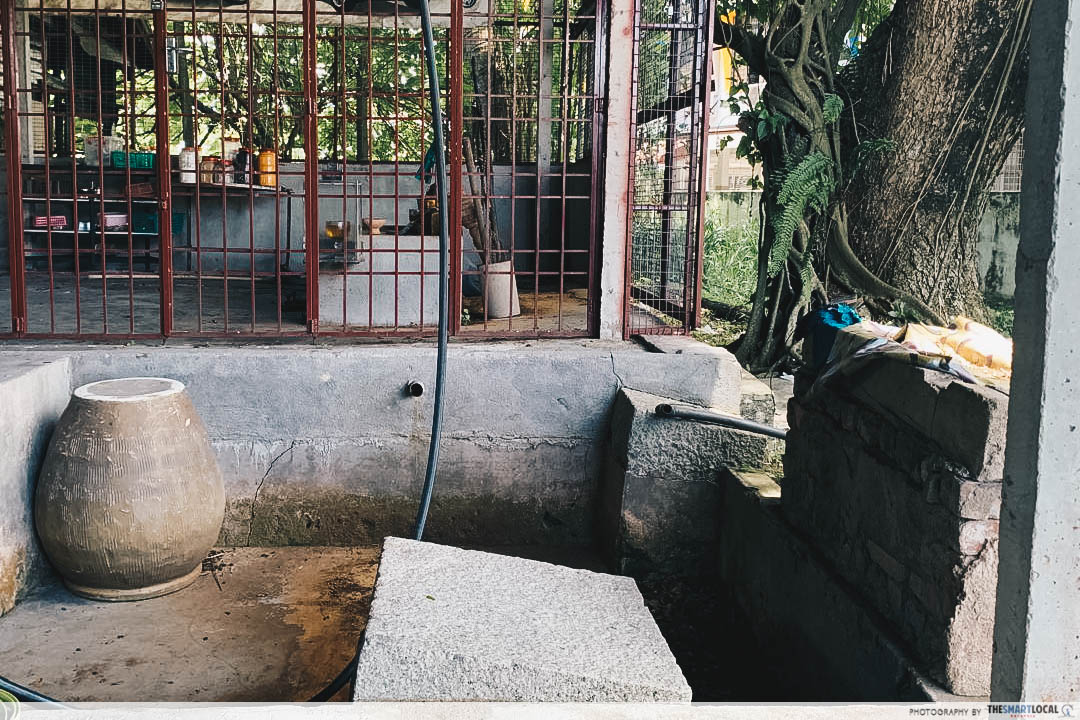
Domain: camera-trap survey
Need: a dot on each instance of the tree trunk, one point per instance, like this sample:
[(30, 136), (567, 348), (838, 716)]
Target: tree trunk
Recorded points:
[(943, 80)]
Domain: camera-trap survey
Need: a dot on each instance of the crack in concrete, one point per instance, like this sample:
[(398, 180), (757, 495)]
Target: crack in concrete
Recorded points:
[(614, 371), (258, 488)]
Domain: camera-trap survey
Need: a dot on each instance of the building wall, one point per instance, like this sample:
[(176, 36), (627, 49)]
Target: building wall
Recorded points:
[(999, 237)]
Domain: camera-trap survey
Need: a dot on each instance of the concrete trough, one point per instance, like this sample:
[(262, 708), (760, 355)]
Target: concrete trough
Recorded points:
[(449, 624)]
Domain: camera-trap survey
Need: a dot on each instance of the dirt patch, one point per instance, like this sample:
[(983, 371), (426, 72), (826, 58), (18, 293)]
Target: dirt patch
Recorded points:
[(328, 599)]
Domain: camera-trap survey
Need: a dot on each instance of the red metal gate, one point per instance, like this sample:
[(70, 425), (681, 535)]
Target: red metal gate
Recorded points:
[(197, 168), (672, 43)]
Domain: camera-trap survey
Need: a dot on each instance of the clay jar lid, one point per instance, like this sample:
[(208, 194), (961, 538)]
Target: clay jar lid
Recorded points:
[(133, 389)]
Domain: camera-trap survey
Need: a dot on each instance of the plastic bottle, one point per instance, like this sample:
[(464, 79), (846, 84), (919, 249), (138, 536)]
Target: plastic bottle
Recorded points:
[(188, 164)]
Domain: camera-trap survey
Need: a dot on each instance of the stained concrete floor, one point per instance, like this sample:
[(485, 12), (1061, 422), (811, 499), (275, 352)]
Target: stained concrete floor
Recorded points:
[(283, 623)]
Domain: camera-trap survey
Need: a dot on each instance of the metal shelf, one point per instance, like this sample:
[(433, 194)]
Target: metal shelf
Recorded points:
[(91, 198), (141, 233)]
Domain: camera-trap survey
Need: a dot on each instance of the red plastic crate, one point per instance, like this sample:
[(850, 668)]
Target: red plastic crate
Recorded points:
[(56, 221)]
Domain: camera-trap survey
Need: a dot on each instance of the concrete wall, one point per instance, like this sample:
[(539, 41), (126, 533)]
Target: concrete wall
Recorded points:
[(660, 494), (999, 235), (246, 223), (678, 509), (808, 629), (894, 475), (321, 446), (1038, 624), (33, 392)]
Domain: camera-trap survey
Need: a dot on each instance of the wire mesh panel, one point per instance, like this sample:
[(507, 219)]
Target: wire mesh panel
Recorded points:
[(266, 168), (88, 220), (530, 164), (671, 70)]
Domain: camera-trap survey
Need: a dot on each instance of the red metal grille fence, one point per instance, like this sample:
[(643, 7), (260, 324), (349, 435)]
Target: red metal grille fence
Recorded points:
[(114, 234)]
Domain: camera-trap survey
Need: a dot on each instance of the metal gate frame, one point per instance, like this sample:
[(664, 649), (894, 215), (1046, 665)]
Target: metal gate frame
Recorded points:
[(680, 314), (166, 273)]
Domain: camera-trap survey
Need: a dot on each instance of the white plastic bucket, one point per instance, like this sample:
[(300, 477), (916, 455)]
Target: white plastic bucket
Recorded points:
[(500, 290)]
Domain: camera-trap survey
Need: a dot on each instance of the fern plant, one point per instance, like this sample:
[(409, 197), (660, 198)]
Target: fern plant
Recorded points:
[(807, 186), (832, 107)]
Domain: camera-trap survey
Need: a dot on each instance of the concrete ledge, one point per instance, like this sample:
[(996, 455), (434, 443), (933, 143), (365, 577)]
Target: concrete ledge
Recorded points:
[(319, 445), (717, 364), (451, 624), (660, 495), (34, 390)]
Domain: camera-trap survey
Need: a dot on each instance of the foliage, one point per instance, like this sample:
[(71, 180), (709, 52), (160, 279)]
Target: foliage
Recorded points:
[(806, 187), (831, 108), (866, 150), (798, 131), (718, 331), (730, 261), (1000, 313)]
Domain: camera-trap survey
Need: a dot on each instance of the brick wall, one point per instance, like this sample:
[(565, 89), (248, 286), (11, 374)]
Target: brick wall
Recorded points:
[(894, 473)]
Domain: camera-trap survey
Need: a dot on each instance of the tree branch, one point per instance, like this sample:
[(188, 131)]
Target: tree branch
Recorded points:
[(840, 21), (745, 44)]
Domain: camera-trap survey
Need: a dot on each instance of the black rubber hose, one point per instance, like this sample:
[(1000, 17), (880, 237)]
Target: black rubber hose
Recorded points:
[(737, 423), (444, 272), (24, 694), (349, 672), (344, 677)]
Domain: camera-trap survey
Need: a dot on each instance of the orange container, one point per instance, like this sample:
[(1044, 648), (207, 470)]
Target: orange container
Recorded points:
[(267, 167)]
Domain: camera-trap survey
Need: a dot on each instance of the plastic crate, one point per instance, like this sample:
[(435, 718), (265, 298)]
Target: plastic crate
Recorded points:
[(53, 221), (137, 160), (146, 221), (112, 221)]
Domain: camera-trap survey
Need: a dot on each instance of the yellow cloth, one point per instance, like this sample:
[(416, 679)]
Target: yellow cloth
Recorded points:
[(985, 353)]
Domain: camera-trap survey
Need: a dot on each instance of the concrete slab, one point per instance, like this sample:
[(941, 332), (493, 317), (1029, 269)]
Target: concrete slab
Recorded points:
[(452, 624)]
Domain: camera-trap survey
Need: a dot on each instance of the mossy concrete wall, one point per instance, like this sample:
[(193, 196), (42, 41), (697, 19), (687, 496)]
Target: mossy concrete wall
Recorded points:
[(321, 446)]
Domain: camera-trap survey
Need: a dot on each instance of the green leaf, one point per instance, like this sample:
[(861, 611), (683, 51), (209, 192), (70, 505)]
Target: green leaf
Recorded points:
[(807, 186), (832, 107), (746, 147)]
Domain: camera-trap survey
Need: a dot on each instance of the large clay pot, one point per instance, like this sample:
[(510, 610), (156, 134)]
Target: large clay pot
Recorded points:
[(130, 497)]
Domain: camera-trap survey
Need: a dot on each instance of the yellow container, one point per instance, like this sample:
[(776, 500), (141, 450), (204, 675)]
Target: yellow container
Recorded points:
[(268, 168)]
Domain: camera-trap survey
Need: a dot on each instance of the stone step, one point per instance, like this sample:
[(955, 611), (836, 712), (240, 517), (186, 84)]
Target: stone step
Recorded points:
[(450, 624)]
